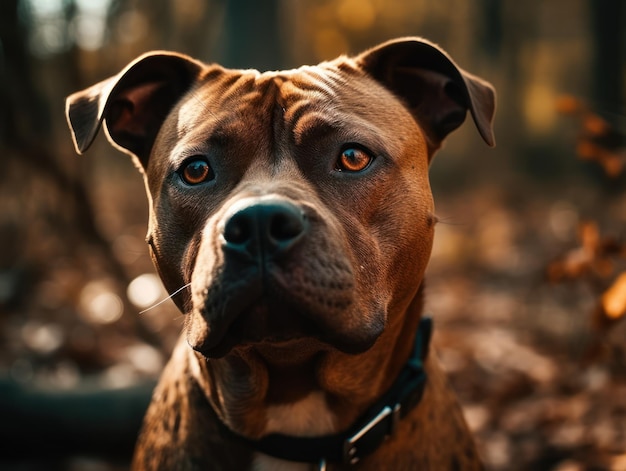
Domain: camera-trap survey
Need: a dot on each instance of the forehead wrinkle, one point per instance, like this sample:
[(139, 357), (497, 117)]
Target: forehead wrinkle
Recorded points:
[(312, 124), (216, 114), (317, 83), (309, 120), (215, 95), (191, 109), (308, 104)]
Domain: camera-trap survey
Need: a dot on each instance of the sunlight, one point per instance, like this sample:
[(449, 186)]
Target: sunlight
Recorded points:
[(91, 23), (145, 290), (53, 31), (99, 304)]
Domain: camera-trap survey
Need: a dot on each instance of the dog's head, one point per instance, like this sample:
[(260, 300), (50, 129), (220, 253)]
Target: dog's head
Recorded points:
[(294, 205)]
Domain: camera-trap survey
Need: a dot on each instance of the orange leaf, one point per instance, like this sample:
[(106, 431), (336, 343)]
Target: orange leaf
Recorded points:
[(614, 299), (595, 125), (587, 149), (613, 167), (567, 104), (589, 236)]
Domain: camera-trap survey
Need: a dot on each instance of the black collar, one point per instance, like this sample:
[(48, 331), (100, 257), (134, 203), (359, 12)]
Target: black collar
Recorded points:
[(369, 431)]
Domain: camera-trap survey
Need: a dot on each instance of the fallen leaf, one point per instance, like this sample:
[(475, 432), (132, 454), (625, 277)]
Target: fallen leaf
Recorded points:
[(614, 299), (594, 125), (567, 104)]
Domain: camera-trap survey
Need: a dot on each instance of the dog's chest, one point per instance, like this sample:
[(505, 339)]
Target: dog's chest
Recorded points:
[(308, 417)]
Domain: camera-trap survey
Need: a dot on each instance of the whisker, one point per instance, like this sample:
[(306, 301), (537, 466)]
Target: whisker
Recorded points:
[(450, 221), (166, 298)]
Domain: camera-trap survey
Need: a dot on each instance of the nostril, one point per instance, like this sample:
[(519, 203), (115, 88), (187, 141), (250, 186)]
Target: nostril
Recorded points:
[(286, 226), (238, 229)]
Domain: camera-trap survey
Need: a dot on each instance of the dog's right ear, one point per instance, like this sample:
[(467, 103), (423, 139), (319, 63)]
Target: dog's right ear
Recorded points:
[(132, 104)]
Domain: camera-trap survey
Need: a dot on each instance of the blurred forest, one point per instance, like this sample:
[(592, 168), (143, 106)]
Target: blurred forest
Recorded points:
[(527, 283)]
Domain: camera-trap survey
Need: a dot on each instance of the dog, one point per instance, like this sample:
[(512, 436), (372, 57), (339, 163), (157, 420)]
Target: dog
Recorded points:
[(292, 220)]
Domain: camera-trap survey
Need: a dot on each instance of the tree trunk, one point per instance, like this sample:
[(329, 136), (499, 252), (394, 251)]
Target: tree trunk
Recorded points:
[(253, 35)]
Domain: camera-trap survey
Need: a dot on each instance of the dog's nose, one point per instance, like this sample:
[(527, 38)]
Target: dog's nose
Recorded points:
[(265, 228)]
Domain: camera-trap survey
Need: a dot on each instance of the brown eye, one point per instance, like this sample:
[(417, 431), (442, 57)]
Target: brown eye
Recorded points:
[(353, 159), (196, 171)]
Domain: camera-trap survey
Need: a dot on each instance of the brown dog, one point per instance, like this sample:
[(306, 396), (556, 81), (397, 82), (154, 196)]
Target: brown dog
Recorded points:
[(294, 210)]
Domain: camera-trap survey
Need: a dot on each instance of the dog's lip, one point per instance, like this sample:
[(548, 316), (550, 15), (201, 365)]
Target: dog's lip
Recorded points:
[(278, 349), (291, 351), (258, 322), (283, 349), (250, 328)]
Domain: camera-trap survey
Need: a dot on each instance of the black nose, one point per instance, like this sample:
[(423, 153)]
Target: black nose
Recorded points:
[(264, 229)]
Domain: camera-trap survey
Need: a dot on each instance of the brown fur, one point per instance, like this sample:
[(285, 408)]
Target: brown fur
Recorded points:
[(335, 316)]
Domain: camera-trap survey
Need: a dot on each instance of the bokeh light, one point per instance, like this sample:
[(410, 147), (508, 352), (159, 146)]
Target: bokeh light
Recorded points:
[(99, 304), (145, 290)]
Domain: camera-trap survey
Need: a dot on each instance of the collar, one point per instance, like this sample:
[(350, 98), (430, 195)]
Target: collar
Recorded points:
[(369, 431)]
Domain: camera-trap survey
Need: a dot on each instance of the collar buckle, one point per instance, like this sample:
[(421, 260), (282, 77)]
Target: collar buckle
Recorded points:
[(371, 435)]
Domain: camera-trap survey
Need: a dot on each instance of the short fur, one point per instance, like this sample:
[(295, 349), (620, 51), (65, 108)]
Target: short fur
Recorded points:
[(303, 337)]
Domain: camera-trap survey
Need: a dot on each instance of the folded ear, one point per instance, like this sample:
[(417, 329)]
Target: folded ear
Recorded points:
[(437, 92), (132, 104)]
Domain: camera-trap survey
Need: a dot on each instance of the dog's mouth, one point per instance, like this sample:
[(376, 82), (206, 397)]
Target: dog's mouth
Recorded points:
[(263, 322), (273, 317), (257, 310)]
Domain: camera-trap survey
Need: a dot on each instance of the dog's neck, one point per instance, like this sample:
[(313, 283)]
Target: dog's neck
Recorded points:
[(320, 393)]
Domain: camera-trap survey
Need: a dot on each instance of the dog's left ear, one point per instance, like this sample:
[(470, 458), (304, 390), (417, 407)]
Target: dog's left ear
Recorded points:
[(133, 104), (437, 92)]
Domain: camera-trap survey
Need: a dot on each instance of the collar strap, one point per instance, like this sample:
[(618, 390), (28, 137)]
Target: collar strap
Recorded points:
[(370, 430)]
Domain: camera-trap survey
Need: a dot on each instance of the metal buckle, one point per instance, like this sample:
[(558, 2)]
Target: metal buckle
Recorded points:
[(385, 423)]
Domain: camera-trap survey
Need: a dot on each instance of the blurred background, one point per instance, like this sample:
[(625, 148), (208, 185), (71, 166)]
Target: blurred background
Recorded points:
[(527, 282)]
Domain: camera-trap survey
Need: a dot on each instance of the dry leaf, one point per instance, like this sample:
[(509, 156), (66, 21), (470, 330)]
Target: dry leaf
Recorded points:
[(594, 125), (614, 299), (598, 140), (577, 262), (567, 104), (594, 256)]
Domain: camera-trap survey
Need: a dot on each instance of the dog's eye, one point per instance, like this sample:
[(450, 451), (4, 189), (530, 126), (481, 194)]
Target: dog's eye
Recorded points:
[(353, 159), (196, 171)]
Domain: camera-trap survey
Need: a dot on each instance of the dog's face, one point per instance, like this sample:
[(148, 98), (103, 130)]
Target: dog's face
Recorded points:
[(293, 205), (275, 200)]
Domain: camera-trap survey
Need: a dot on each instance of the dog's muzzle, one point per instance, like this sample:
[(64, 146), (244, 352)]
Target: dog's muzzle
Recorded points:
[(263, 289)]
